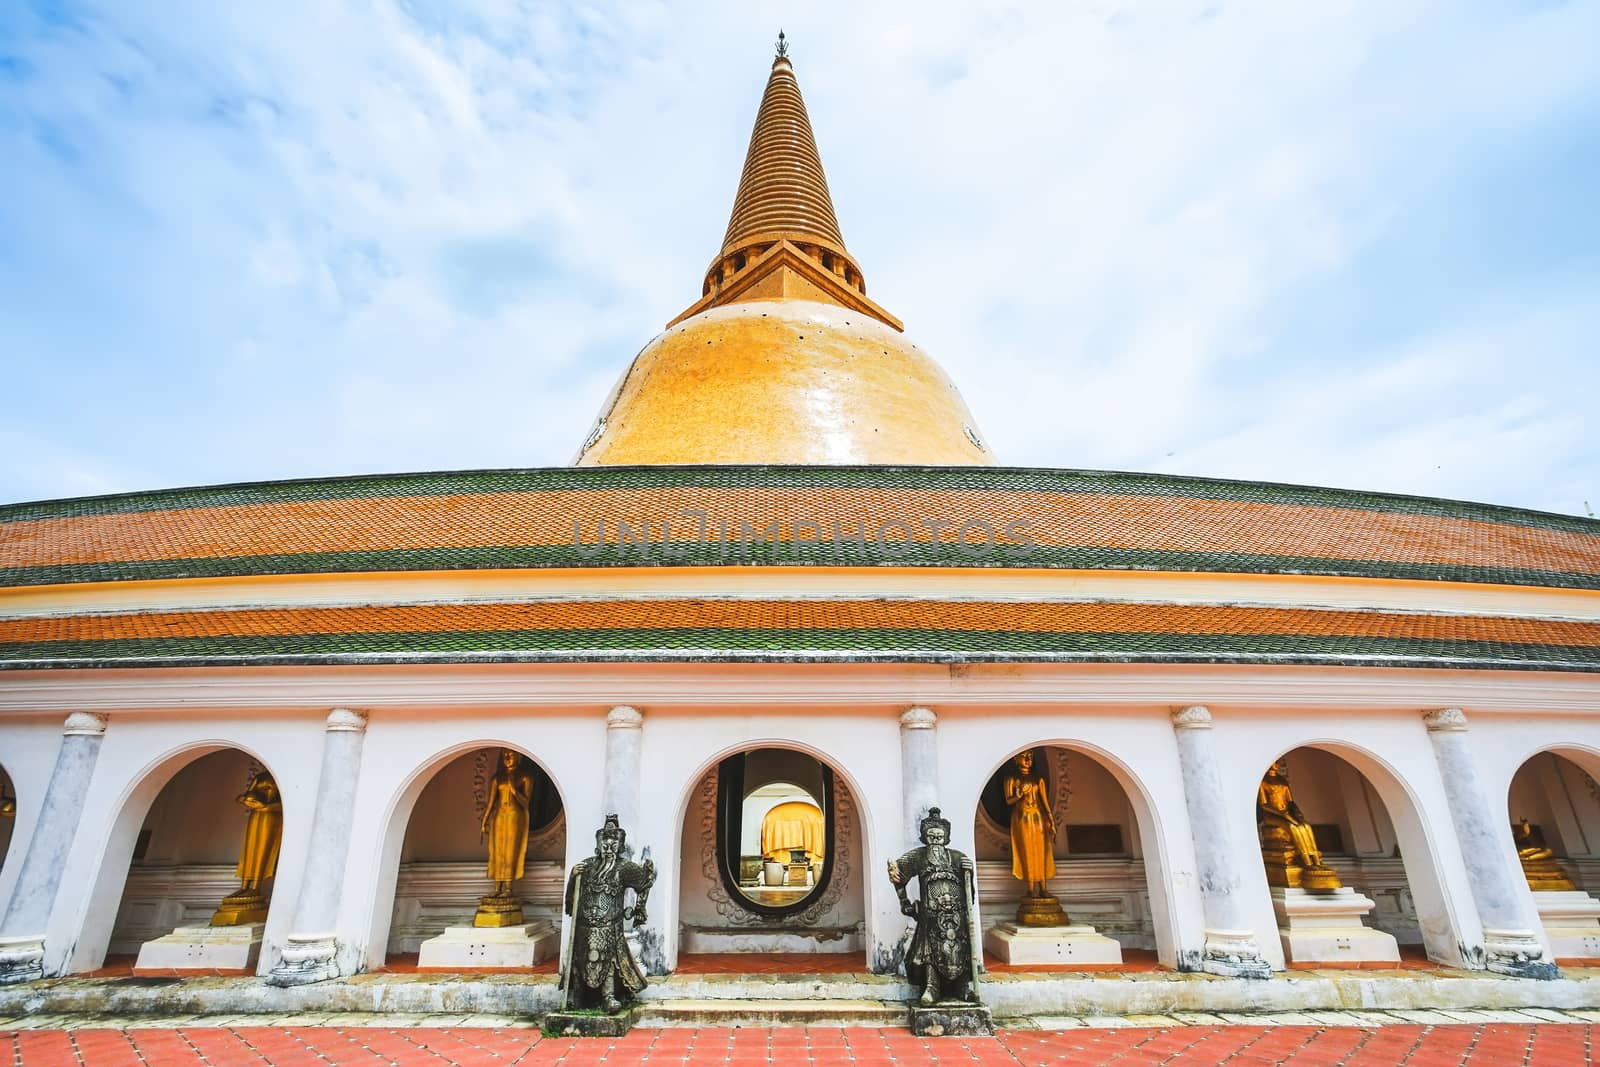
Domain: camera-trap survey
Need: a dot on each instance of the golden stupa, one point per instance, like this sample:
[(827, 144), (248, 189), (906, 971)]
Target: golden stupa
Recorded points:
[(783, 359)]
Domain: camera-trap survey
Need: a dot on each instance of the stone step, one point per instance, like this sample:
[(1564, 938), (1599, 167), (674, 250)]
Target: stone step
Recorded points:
[(693, 1012), (778, 987)]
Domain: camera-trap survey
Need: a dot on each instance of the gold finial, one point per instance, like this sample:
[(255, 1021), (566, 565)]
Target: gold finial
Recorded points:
[(783, 45)]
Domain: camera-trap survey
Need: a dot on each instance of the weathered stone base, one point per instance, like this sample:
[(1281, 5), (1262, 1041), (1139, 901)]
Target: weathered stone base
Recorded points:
[(826, 939), (1517, 953), (1052, 945), (203, 948), (306, 960), (1328, 928), (1571, 922), (1008, 996), (500, 948), (21, 959), (1233, 954), (589, 1024), (952, 1020)]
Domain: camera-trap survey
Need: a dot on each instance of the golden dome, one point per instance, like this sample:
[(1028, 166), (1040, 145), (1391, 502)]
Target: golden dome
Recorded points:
[(783, 359), (784, 381)]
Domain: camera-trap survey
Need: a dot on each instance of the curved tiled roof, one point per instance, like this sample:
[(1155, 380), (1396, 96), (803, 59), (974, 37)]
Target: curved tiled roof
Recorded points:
[(899, 630), (824, 516)]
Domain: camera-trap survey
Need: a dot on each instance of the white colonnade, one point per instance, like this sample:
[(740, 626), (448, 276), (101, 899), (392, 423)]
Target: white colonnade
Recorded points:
[(1189, 774)]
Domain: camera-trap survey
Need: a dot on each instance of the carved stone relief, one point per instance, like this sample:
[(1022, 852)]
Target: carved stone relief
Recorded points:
[(732, 907)]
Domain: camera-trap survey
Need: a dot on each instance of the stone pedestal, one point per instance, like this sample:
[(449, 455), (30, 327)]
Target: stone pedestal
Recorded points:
[(1571, 921), (203, 948), (1055, 945), (589, 1023), (245, 908), (504, 947), (952, 1020), (1328, 928), (1041, 911), (498, 911)]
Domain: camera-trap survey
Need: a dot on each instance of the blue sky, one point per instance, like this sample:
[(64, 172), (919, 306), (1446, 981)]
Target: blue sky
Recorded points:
[(1343, 244)]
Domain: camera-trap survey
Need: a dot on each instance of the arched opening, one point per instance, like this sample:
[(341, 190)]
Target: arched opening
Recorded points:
[(782, 842), (8, 814), (1076, 830), (483, 823), (772, 859), (203, 866), (1341, 889), (1554, 806)]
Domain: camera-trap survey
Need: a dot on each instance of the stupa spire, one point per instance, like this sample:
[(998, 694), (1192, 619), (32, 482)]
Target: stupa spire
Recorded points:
[(783, 240), (783, 189)]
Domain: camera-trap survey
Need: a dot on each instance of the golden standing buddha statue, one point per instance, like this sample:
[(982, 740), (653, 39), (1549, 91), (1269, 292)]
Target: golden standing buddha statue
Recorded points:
[(258, 855), (1288, 844), (505, 827), (1033, 834), (1539, 864)]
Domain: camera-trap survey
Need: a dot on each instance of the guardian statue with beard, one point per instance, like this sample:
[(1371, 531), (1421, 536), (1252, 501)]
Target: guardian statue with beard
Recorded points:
[(600, 971), (940, 958)]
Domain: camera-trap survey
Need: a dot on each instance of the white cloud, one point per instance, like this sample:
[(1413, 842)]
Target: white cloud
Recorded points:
[(380, 236)]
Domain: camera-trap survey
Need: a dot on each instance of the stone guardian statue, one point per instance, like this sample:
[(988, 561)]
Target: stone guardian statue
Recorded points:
[(258, 854), (598, 969), (941, 958)]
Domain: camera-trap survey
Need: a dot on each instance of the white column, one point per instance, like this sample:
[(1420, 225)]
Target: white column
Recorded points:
[(28, 913), (1230, 944), (310, 954), (1509, 946), (620, 789), (919, 771)]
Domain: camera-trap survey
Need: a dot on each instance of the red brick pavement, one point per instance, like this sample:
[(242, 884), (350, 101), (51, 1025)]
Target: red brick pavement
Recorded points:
[(1492, 1045)]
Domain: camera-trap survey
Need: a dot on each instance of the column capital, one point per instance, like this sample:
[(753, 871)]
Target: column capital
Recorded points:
[(622, 717), (918, 718), (345, 720), (84, 724), (1194, 717), (1444, 719)]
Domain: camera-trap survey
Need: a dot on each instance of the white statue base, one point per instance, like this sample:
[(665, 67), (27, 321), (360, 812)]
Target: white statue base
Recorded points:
[(1328, 928), (1571, 921), (1053, 945), (203, 948), (498, 947)]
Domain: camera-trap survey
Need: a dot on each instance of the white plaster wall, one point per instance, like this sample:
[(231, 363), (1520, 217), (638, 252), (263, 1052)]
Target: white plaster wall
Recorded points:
[(1137, 749), (681, 743), (1392, 751), (141, 753), (28, 747), (405, 748)]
